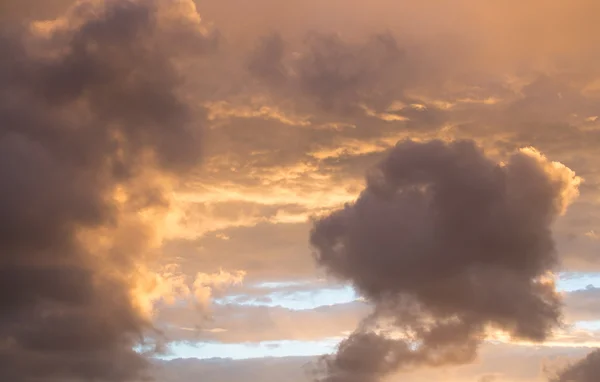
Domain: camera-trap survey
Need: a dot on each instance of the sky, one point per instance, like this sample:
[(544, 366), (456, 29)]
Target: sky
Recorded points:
[(299, 190)]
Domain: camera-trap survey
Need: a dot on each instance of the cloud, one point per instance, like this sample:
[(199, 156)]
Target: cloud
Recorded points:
[(284, 256), (581, 304), (509, 363), (224, 370), (584, 370), (446, 244), (30, 9), (206, 285), (92, 133), (233, 323), (253, 313)]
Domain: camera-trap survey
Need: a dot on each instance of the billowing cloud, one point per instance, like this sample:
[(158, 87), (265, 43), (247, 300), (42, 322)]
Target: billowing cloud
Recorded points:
[(447, 244), (92, 133)]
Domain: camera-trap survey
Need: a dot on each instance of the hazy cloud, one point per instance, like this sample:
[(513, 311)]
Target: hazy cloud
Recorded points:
[(232, 323), (509, 363)]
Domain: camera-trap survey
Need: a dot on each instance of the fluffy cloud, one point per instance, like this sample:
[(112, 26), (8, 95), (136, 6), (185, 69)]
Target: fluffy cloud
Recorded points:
[(446, 244)]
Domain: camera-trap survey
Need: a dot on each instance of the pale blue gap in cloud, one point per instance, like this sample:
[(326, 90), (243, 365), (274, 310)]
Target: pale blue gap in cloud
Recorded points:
[(311, 299), (571, 281), (254, 350), (588, 325), (319, 297), (306, 299)]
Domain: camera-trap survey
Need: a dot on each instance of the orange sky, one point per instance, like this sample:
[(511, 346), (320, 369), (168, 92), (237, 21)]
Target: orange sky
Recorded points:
[(168, 159)]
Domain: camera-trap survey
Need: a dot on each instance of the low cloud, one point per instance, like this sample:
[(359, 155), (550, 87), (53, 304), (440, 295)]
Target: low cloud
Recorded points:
[(508, 363), (233, 323)]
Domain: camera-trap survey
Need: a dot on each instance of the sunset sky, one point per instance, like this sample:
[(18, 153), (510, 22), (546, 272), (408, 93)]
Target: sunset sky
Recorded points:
[(227, 190)]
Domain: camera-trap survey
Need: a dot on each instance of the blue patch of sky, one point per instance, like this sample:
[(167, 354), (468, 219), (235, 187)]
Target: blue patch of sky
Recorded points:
[(572, 281), (277, 295), (296, 300), (252, 350), (313, 298), (588, 325), (281, 284)]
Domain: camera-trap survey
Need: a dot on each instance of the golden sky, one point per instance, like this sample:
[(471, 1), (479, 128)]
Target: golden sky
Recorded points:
[(416, 181)]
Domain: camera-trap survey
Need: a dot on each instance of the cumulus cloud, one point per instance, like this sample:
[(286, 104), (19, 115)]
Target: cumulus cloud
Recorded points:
[(92, 133), (447, 244)]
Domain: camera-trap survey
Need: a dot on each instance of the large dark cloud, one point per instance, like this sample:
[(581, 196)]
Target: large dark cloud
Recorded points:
[(89, 117), (446, 243)]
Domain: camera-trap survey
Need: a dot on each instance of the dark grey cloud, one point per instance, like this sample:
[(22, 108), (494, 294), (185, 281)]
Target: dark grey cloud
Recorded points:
[(584, 370), (88, 106), (446, 243), (336, 74)]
